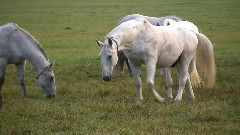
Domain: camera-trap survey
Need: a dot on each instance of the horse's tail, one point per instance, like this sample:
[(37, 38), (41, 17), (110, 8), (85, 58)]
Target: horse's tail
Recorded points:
[(205, 60), (195, 78)]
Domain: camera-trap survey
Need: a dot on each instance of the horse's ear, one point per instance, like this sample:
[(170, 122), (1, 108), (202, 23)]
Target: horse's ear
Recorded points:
[(99, 43), (110, 41), (167, 22)]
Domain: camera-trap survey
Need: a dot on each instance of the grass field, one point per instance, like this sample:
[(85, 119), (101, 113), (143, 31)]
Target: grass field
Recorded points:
[(85, 104)]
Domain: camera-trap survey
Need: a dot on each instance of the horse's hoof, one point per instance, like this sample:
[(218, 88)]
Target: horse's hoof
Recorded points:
[(176, 100), (106, 78), (193, 99), (139, 102), (140, 99), (50, 96), (160, 100)]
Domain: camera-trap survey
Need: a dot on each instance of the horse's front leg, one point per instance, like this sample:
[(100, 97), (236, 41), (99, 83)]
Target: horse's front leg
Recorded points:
[(151, 69), (169, 81), (20, 69), (136, 69), (3, 65)]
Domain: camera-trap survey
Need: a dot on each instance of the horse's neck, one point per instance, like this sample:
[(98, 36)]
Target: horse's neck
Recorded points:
[(31, 51), (38, 60)]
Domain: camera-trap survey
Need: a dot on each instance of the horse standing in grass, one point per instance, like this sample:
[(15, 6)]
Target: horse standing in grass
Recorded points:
[(162, 21), (154, 21), (17, 46), (158, 47)]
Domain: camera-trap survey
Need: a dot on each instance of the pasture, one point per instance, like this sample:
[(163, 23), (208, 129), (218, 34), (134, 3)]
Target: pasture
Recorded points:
[(85, 104)]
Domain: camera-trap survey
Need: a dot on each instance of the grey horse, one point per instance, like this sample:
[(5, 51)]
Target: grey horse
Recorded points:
[(17, 46)]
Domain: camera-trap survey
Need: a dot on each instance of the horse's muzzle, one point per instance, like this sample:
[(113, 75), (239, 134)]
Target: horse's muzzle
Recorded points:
[(106, 78), (50, 96)]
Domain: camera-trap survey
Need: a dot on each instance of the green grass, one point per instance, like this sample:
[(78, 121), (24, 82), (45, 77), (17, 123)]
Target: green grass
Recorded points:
[(85, 104)]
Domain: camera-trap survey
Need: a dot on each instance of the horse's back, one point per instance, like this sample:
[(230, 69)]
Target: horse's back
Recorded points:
[(5, 32), (129, 17), (188, 25), (7, 28), (173, 17), (8, 49), (153, 20)]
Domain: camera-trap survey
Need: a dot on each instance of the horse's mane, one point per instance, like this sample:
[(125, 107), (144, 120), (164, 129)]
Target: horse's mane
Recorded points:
[(38, 45)]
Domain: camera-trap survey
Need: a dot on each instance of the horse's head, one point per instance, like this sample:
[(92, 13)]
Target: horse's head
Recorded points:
[(46, 80), (108, 56)]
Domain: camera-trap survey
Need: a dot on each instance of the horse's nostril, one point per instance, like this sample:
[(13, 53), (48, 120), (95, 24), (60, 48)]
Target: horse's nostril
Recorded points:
[(106, 78)]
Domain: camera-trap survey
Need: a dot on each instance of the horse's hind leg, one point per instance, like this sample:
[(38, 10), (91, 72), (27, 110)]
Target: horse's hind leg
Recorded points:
[(151, 69), (3, 65), (169, 81), (20, 69), (183, 76), (189, 89)]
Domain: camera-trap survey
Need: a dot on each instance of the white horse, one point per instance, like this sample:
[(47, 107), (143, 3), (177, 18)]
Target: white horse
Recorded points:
[(162, 21), (158, 47), (154, 21), (17, 46)]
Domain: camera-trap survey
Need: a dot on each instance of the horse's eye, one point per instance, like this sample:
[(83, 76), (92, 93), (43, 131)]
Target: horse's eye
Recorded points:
[(109, 57)]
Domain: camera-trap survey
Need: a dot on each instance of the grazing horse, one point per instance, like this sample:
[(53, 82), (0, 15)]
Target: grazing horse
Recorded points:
[(163, 21), (17, 46), (158, 47), (154, 21)]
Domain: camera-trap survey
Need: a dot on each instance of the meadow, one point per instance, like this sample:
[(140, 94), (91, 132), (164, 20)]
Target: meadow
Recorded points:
[(85, 104)]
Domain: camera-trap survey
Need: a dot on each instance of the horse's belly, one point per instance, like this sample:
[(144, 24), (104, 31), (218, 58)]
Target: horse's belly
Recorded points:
[(162, 63), (16, 60), (167, 59)]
